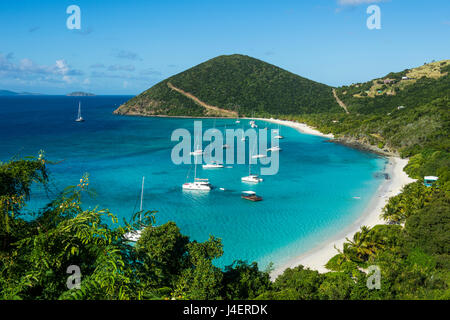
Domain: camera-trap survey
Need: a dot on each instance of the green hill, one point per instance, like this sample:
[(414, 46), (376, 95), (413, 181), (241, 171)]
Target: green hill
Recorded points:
[(410, 117), (8, 93), (231, 85)]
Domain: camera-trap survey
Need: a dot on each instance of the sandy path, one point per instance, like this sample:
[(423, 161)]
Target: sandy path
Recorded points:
[(214, 109), (339, 101)]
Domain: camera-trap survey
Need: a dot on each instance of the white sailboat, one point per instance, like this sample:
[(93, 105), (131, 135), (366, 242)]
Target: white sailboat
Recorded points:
[(197, 152), (212, 165), (198, 184), (251, 178), (279, 136), (225, 146), (275, 148), (258, 156), (136, 234), (79, 117)]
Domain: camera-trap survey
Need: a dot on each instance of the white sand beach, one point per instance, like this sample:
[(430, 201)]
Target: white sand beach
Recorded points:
[(304, 128), (316, 258)]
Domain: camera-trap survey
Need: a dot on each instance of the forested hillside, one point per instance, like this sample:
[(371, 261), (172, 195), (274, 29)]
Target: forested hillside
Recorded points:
[(238, 83)]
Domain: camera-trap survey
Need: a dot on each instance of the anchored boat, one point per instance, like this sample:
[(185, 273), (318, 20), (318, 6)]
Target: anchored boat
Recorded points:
[(251, 196), (79, 117)]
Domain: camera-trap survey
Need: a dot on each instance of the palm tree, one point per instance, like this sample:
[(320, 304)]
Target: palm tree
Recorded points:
[(363, 244)]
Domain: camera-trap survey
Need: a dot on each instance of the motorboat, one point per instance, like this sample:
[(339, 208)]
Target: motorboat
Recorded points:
[(251, 196)]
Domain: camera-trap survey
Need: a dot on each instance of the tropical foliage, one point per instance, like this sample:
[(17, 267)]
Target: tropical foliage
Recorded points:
[(37, 252)]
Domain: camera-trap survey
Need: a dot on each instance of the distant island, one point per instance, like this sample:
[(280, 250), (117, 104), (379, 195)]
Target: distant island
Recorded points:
[(12, 93), (80, 94)]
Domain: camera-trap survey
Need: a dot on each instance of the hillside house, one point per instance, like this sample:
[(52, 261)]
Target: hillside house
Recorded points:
[(430, 180)]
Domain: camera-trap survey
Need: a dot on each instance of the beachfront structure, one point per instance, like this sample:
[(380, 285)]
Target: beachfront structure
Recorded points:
[(429, 180)]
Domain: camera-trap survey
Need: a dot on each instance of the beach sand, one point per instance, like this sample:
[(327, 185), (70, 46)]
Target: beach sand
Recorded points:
[(316, 258), (299, 126)]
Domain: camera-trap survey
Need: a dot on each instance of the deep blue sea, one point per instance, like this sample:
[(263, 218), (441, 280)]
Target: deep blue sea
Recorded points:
[(313, 197)]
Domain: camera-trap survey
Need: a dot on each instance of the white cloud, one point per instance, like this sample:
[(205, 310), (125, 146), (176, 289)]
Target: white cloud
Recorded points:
[(26, 69), (61, 67), (357, 2)]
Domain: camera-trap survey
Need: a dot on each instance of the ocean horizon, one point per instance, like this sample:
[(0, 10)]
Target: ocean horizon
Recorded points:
[(321, 188)]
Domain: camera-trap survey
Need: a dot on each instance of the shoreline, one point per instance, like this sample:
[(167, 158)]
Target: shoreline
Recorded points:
[(302, 127), (316, 258)]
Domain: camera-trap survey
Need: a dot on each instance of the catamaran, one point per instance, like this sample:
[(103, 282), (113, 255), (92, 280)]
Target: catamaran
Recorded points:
[(197, 152), (258, 156), (225, 146), (212, 165), (79, 117), (252, 178), (136, 234), (198, 184), (275, 148), (278, 136)]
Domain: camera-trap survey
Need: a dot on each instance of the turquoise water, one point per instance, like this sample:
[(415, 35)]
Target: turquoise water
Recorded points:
[(308, 201)]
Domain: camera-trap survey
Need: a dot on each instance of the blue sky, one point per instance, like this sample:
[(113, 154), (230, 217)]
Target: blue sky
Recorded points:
[(125, 47)]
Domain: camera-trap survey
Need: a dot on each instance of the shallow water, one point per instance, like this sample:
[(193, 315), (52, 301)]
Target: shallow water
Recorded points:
[(310, 199)]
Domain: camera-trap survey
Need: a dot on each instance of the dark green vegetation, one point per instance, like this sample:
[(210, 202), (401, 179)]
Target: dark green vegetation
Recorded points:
[(164, 264), (420, 130), (237, 83)]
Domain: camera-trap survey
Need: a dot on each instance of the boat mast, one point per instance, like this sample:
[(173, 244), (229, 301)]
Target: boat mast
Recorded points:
[(195, 162), (142, 192), (195, 167), (142, 197), (250, 161)]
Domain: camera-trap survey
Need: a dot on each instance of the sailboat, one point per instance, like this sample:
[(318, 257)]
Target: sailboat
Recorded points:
[(225, 146), (278, 136), (252, 178), (274, 148), (79, 117), (213, 165), (136, 234), (198, 184)]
